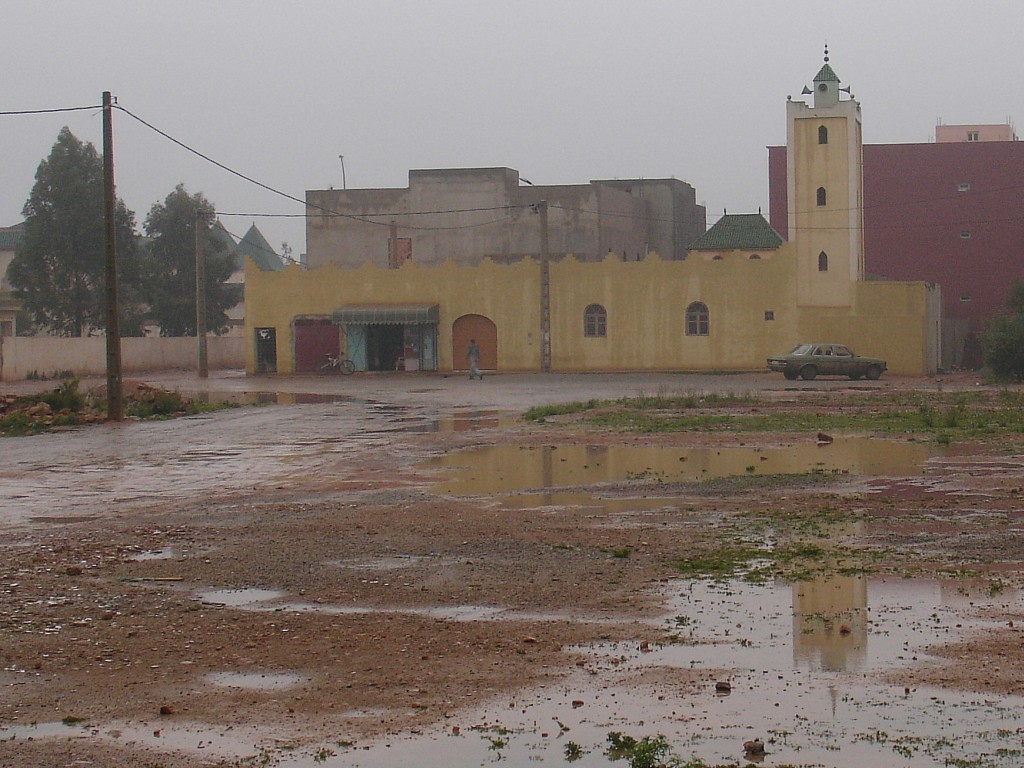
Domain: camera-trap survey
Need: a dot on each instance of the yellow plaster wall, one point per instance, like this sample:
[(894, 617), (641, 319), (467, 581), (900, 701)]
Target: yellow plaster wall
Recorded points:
[(508, 294), (646, 304), (891, 320)]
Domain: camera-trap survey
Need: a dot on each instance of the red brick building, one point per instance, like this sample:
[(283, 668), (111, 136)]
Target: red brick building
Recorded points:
[(950, 213)]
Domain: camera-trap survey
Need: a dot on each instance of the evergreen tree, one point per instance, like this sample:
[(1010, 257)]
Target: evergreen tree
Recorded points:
[(59, 267), (171, 265)]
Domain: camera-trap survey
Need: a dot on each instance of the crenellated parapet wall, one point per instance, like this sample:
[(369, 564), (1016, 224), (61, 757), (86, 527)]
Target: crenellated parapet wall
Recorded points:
[(750, 304)]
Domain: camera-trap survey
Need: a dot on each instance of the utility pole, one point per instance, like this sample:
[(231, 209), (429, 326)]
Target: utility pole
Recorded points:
[(393, 245), (545, 290), (115, 400), (203, 371), (344, 182)]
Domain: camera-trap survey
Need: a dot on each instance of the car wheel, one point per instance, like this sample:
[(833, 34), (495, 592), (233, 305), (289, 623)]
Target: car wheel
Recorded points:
[(873, 372), (808, 372), (790, 375)]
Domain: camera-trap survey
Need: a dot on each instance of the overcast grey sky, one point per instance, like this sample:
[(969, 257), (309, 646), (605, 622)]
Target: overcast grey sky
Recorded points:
[(564, 91)]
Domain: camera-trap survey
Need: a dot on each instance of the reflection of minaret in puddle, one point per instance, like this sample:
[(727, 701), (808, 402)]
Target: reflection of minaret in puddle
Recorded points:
[(547, 472), (830, 628)]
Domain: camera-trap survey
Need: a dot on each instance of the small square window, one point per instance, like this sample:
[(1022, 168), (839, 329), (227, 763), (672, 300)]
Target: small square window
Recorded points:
[(972, 136), (769, 314), (965, 235), (964, 186), (965, 299)]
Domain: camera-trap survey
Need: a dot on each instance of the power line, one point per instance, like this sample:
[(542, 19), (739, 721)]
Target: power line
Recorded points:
[(51, 111), (209, 159), (257, 246), (274, 190), (372, 218)]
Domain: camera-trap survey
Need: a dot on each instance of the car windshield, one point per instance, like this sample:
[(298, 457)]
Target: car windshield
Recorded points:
[(801, 349)]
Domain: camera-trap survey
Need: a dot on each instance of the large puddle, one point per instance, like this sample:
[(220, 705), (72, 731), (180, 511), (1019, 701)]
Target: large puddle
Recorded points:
[(799, 660), (795, 665), (501, 469)]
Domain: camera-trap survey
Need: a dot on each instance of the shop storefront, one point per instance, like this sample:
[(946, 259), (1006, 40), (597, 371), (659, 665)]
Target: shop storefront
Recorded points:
[(390, 337)]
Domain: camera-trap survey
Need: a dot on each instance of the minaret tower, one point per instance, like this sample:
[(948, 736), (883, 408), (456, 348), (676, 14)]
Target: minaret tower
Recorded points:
[(824, 148)]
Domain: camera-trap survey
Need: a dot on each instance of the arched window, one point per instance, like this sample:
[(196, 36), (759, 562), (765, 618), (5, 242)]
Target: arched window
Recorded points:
[(754, 257), (697, 319), (822, 134), (595, 321), (823, 262), (822, 195)]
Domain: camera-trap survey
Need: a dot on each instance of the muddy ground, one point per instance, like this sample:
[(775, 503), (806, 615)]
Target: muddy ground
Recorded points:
[(124, 546)]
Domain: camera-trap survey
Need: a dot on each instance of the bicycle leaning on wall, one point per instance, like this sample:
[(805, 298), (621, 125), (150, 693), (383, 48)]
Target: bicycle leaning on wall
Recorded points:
[(337, 364)]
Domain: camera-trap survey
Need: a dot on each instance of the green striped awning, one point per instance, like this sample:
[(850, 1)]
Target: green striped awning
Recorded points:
[(387, 314)]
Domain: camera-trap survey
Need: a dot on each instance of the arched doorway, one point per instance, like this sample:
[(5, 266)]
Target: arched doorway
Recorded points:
[(484, 331)]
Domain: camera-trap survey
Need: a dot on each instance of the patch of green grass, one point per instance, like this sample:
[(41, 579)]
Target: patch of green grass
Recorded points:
[(18, 424), (573, 751), (541, 412), (648, 752), (941, 416), (722, 563)]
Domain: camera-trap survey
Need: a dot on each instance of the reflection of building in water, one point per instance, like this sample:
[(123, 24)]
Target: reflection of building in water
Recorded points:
[(830, 627), (509, 468)]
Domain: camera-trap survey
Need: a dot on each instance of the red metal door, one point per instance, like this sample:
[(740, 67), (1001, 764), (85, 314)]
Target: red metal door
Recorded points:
[(314, 340)]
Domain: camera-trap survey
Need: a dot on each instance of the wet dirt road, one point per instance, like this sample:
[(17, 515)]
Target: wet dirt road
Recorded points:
[(291, 583)]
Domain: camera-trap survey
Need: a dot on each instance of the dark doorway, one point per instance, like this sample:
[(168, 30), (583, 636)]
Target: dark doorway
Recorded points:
[(384, 346), (266, 350)]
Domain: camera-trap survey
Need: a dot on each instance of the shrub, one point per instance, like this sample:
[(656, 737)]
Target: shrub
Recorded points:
[(66, 396)]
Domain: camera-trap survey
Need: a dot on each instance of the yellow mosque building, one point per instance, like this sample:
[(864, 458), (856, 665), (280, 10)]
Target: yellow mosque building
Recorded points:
[(738, 294)]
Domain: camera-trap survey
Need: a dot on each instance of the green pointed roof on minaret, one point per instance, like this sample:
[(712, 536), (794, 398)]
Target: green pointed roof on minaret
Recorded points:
[(826, 75)]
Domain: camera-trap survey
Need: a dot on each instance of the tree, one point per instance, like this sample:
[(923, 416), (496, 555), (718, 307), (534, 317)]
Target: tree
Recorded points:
[(171, 265), (1003, 342), (59, 267)]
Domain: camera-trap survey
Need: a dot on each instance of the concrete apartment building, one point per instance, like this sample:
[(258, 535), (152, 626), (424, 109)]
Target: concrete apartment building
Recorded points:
[(470, 214), (947, 212)]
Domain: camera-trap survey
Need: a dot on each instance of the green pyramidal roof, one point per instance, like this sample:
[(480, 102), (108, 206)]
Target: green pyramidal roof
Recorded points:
[(739, 232), (255, 246), (219, 233), (826, 75)]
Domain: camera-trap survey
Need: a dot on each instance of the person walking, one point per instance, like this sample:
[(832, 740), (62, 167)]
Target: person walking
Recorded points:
[(473, 355)]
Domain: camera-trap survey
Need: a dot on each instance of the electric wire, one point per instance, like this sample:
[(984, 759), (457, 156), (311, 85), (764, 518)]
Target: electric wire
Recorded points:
[(372, 218), (50, 111), (271, 189)]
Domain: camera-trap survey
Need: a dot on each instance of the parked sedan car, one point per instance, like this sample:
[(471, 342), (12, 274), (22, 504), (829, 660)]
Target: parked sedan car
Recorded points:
[(810, 360)]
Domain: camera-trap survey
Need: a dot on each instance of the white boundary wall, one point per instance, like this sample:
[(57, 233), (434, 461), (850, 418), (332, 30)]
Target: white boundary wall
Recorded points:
[(47, 355)]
